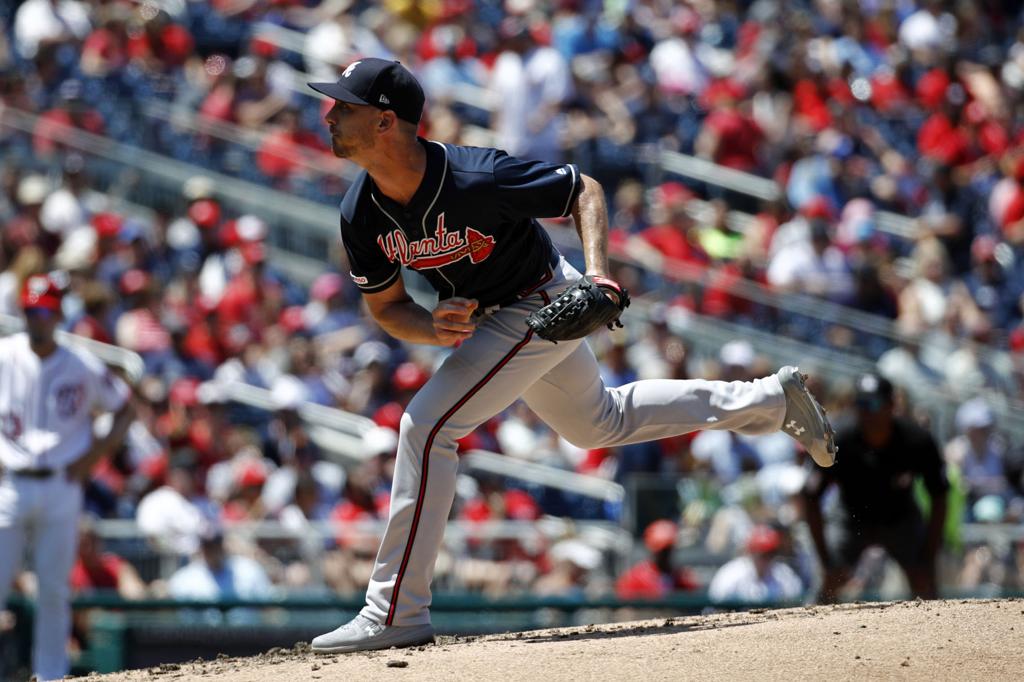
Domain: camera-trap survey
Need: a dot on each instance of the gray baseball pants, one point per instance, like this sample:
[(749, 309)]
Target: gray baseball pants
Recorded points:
[(504, 361)]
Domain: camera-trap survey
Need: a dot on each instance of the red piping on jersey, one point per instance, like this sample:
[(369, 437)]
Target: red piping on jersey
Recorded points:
[(426, 464)]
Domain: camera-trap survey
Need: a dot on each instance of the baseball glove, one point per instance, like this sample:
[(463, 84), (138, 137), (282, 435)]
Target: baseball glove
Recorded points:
[(579, 310)]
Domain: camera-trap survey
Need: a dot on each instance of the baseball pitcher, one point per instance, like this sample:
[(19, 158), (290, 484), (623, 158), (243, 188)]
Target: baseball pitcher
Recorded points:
[(514, 312)]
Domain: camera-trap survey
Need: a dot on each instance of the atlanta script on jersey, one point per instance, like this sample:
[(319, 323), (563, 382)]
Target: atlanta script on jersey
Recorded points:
[(470, 224)]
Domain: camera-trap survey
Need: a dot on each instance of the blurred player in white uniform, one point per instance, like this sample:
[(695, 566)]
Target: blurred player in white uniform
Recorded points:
[(49, 394)]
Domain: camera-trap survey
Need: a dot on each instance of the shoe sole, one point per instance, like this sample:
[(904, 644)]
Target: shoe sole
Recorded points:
[(816, 412), (371, 646)]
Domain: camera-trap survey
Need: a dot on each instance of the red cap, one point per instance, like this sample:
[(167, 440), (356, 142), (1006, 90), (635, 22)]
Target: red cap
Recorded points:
[(476, 510), (763, 540), (520, 506), (983, 248), (660, 535), (672, 193), (155, 467), (40, 291), (262, 47), (292, 319), (253, 253), (389, 415), (1017, 340), (725, 88), (252, 474), (818, 207), (409, 376), (107, 225), (184, 392), (205, 213), (133, 281)]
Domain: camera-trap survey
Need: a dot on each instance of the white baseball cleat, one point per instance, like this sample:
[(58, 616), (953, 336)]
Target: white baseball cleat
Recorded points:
[(362, 634), (806, 420)]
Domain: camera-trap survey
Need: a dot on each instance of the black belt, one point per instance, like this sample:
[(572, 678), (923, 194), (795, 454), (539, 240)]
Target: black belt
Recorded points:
[(33, 473), (544, 279)]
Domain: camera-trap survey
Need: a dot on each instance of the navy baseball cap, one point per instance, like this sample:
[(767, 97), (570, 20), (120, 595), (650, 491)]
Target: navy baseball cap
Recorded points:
[(380, 83), (873, 392)]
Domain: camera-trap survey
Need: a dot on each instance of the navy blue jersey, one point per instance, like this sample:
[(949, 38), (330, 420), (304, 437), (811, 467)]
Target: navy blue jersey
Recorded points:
[(470, 228)]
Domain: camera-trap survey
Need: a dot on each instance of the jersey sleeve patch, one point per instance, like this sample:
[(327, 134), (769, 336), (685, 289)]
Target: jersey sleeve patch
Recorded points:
[(368, 287)]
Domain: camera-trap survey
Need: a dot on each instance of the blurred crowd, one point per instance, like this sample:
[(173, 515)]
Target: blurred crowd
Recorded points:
[(853, 108)]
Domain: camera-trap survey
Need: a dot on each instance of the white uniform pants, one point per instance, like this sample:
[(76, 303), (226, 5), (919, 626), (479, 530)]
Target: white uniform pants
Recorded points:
[(42, 515), (501, 362)]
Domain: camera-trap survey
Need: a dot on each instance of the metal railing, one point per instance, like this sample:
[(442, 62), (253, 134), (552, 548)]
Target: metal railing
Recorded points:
[(615, 542), (292, 220), (542, 474), (248, 138), (705, 171)]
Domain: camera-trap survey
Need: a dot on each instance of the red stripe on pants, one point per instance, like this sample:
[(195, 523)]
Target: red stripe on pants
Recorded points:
[(426, 463)]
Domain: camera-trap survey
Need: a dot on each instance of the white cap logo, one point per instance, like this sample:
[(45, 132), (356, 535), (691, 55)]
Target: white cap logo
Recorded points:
[(351, 67), (384, 99)]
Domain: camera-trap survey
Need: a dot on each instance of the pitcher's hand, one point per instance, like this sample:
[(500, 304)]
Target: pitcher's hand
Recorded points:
[(453, 320)]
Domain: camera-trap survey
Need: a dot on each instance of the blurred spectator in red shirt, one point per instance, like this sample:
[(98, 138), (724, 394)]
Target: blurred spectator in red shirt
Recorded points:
[(72, 112), (161, 44), (105, 50), (669, 243), (288, 148), (95, 569), (655, 577), (729, 136)]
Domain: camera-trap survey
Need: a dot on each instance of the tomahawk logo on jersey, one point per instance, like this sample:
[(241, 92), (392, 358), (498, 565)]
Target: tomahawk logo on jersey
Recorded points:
[(443, 233)]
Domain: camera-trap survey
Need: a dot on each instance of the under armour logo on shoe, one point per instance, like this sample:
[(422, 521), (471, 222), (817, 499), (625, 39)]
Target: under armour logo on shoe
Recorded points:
[(794, 428)]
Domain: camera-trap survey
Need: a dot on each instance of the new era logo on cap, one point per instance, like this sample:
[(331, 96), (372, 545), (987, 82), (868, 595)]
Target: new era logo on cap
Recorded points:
[(380, 83)]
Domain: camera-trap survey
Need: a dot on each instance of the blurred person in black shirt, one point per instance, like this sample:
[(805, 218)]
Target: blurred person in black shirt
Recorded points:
[(882, 454)]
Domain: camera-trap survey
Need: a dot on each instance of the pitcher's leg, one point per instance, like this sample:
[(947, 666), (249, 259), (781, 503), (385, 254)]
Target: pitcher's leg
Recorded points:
[(472, 385), (422, 493), (574, 401)]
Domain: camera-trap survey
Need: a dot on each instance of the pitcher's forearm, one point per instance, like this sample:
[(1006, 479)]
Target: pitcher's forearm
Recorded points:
[(590, 214), (408, 321)]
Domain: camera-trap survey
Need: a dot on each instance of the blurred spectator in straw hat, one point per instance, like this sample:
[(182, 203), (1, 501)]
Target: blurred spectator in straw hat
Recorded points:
[(215, 573), (29, 261), (655, 576), (574, 564), (759, 576)]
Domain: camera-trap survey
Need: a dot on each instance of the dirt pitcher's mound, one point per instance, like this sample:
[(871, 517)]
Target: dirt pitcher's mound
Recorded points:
[(945, 640)]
